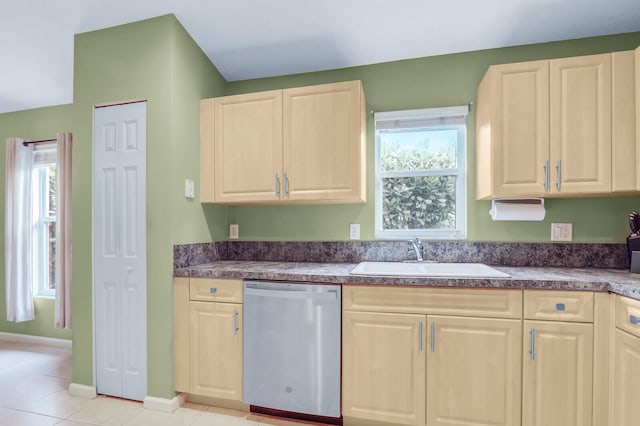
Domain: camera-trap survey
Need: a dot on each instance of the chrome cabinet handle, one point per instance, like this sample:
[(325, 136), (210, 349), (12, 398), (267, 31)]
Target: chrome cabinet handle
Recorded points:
[(433, 337), (286, 184), (546, 175), (560, 307), (420, 335), (634, 319), (235, 323), (532, 350), (559, 169), (277, 186), (213, 290)]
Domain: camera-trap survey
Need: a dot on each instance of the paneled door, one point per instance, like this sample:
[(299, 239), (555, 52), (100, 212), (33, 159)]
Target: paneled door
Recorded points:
[(513, 130), (119, 244), (247, 153), (383, 367), (626, 409), (580, 124), (473, 371), (323, 138), (215, 343), (557, 374)]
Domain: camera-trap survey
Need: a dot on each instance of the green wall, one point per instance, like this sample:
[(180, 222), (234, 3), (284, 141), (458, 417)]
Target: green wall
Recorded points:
[(193, 78), (154, 60), (38, 124), (122, 63), (434, 82), (158, 61)]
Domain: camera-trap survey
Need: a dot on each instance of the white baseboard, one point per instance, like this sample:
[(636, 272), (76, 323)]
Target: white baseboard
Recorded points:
[(162, 404), (82, 391), (37, 340)]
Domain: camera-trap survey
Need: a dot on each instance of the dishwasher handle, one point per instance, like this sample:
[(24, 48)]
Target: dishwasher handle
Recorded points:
[(291, 294)]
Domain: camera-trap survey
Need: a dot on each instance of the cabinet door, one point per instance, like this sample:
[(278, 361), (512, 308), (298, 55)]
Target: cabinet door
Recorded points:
[(626, 410), (324, 142), (557, 374), (383, 367), (216, 349), (581, 124), (473, 371), (513, 129), (248, 147), (623, 127)]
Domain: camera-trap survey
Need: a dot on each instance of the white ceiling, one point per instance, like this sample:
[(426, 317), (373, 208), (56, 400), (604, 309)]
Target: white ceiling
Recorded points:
[(259, 38)]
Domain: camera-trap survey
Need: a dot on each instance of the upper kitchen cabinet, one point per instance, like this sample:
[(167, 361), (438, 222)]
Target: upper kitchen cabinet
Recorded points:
[(512, 148), (580, 124), (544, 128), (625, 153), (324, 142), (241, 147), (302, 145)]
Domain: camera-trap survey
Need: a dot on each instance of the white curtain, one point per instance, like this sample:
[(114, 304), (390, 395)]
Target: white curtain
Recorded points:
[(63, 231), (18, 231)]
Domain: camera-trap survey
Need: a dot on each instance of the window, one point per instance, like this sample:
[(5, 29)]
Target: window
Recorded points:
[(43, 182), (421, 173)]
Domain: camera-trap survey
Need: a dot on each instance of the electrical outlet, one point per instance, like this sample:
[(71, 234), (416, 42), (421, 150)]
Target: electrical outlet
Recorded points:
[(234, 231), (354, 231), (561, 232), (189, 191)]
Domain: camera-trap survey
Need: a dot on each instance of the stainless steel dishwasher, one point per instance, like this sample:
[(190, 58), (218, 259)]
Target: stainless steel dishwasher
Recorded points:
[(292, 347)]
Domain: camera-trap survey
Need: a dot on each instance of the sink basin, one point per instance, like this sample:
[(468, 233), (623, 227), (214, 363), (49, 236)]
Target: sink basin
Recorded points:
[(425, 269)]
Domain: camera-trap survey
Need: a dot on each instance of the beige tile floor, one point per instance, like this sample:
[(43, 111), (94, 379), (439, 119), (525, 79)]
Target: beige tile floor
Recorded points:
[(33, 392)]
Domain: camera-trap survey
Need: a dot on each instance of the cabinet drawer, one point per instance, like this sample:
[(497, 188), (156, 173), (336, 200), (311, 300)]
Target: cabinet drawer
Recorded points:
[(434, 301), (556, 305), (215, 290), (628, 315)]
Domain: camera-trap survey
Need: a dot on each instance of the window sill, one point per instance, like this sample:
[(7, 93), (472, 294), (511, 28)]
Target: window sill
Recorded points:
[(425, 236), (40, 296)]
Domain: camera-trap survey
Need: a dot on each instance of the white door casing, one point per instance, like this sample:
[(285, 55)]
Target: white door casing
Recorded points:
[(119, 245)]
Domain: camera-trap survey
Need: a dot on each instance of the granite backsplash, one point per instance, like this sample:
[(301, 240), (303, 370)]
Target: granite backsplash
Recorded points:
[(492, 253)]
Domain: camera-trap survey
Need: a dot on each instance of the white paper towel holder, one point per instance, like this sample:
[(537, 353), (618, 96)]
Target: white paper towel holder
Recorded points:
[(517, 209)]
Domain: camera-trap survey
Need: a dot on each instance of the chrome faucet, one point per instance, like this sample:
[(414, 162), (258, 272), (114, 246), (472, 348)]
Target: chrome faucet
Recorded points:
[(416, 245)]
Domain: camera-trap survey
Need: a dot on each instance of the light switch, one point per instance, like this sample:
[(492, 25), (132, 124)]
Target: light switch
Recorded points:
[(561, 232), (234, 231), (189, 191), (354, 231)]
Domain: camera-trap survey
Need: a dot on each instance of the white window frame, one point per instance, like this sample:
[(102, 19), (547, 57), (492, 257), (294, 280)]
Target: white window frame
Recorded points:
[(44, 157), (437, 119)]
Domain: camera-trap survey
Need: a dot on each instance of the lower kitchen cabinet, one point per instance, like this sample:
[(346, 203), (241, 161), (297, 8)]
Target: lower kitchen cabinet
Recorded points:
[(472, 365), (473, 371), (626, 409), (557, 374), (626, 361), (208, 337), (216, 349), (403, 366), (384, 367), (558, 358)]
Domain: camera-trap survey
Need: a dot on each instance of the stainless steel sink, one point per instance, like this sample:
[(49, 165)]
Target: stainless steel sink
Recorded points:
[(426, 269)]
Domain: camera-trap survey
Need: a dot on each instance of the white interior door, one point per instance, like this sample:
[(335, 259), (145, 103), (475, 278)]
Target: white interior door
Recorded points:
[(120, 261)]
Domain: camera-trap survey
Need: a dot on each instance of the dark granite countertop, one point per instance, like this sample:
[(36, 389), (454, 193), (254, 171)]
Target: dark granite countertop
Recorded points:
[(618, 281)]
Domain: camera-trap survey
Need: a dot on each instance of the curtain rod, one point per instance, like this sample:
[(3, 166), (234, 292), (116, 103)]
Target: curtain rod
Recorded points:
[(26, 143)]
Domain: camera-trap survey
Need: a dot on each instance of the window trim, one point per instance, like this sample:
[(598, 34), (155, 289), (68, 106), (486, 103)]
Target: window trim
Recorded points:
[(443, 118), (44, 158)]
